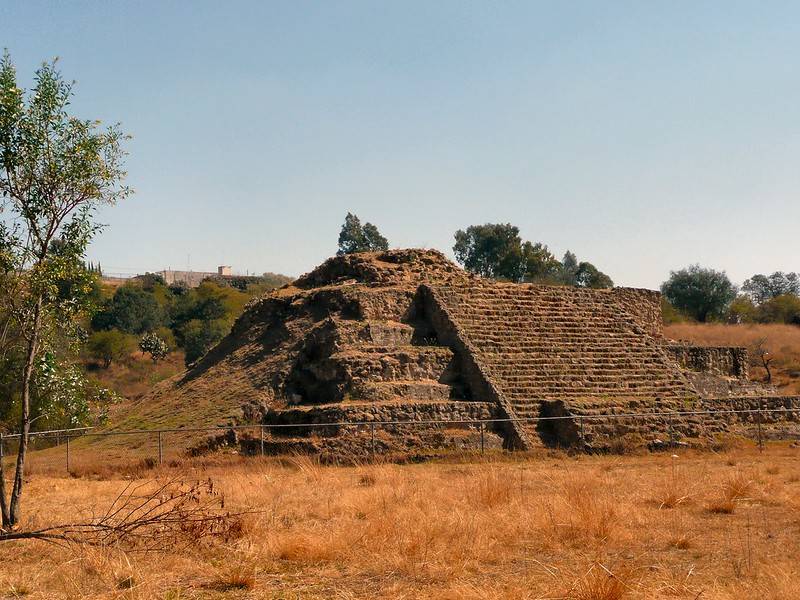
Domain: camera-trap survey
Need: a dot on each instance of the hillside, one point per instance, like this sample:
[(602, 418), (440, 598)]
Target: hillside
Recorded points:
[(247, 372)]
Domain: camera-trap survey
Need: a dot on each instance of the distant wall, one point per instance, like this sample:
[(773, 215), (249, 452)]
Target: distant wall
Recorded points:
[(188, 278), (729, 361)]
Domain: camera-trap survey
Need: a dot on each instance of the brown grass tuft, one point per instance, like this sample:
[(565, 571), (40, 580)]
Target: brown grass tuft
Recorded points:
[(721, 506), (598, 584), (493, 487), (240, 575)]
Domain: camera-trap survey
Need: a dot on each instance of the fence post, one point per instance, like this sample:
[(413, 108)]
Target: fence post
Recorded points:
[(760, 438), (67, 453), (671, 431), (160, 450), (262, 439), (372, 445), (1, 447), (583, 434), (482, 442)]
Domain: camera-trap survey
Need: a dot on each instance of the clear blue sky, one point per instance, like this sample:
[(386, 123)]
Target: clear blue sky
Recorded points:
[(643, 136)]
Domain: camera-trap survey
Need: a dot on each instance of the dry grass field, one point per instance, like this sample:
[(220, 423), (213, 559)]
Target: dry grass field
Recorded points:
[(698, 525), (782, 341)]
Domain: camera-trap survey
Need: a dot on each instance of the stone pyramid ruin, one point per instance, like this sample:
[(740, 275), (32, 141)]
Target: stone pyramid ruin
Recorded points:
[(406, 335)]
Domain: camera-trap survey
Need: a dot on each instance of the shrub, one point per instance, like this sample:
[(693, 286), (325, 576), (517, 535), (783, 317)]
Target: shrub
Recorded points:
[(154, 346), (110, 345)]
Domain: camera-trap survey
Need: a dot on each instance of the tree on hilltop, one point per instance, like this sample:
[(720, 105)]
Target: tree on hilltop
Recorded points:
[(589, 276), (355, 237), (495, 250), (703, 294), (491, 250), (55, 170)]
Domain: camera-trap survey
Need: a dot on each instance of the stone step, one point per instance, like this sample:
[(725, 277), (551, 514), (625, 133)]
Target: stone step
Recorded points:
[(421, 390)]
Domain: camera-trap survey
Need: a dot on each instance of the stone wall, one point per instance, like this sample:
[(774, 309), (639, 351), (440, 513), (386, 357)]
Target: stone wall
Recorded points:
[(728, 361), (449, 412), (644, 307)]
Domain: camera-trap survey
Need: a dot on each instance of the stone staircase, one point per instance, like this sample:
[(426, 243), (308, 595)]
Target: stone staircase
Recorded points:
[(541, 344)]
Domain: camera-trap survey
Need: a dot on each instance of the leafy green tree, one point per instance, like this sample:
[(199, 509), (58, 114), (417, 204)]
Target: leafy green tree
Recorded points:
[(668, 313), (132, 310), (110, 345), (55, 170), (742, 310), (154, 346), (492, 250), (588, 276), (357, 238), (539, 264), (762, 288), (569, 268), (702, 294), (373, 238), (496, 250)]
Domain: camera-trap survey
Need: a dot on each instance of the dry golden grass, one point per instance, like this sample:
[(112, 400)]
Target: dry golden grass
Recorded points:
[(135, 376), (550, 526), (783, 341)]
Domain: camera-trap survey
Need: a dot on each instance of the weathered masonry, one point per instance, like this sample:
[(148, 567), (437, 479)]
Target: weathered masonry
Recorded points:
[(407, 335)]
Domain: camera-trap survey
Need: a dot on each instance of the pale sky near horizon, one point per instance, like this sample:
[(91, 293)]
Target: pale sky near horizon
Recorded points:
[(642, 136)]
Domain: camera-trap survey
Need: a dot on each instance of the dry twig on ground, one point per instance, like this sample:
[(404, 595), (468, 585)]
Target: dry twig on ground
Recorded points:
[(148, 516)]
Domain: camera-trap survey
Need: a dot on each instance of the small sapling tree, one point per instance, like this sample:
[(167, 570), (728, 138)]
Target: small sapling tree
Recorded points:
[(55, 170), (154, 346), (763, 357)]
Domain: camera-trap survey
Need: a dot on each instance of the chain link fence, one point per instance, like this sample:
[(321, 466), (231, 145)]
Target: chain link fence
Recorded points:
[(67, 449)]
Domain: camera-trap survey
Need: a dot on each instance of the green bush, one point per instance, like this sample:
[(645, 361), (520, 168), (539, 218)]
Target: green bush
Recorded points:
[(110, 345)]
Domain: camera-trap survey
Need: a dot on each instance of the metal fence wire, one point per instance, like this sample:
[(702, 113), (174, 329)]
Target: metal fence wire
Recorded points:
[(157, 440)]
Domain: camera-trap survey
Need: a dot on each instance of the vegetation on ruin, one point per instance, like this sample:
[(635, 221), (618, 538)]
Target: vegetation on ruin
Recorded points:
[(355, 237)]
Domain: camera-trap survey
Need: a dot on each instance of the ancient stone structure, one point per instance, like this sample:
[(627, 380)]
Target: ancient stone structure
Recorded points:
[(407, 335)]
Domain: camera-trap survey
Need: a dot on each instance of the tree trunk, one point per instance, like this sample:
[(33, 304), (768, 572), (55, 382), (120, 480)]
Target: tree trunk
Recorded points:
[(5, 518), (25, 419)]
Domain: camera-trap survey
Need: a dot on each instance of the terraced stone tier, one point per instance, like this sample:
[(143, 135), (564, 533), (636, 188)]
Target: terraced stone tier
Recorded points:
[(376, 372), (542, 343), (325, 417)]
